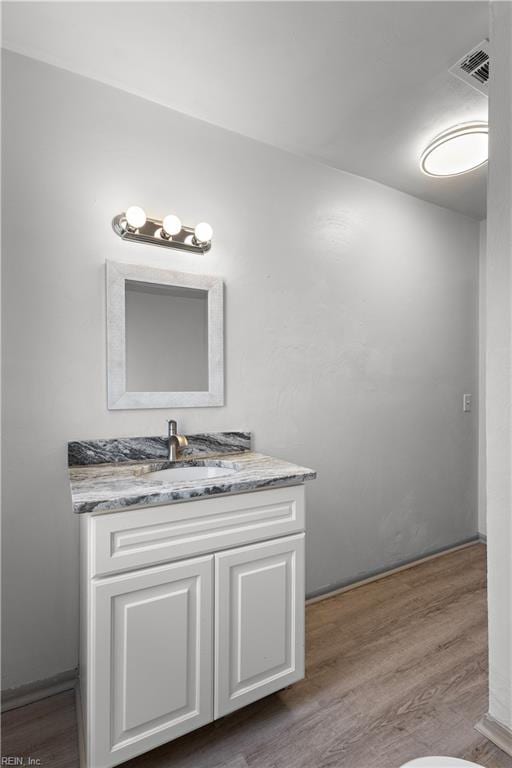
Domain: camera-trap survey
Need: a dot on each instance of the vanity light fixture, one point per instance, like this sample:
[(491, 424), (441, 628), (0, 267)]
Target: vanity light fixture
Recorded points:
[(135, 225), (457, 150)]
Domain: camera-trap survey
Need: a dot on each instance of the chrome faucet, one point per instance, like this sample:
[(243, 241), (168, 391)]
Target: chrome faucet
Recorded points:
[(175, 441)]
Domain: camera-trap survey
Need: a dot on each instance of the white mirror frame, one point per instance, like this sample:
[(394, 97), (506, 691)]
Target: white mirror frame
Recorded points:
[(117, 274)]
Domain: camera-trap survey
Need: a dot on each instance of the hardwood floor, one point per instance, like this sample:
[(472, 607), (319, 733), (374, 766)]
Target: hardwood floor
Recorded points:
[(396, 669)]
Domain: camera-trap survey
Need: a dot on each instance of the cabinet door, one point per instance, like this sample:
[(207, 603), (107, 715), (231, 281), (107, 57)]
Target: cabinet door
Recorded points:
[(259, 621), (152, 658)]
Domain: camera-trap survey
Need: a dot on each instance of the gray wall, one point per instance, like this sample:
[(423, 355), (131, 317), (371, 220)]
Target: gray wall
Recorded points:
[(498, 358), (351, 328), (482, 330)]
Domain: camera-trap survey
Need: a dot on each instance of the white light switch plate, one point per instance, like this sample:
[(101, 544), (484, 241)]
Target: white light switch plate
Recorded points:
[(466, 403)]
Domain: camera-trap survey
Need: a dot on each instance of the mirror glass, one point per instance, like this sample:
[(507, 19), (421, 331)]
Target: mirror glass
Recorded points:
[(166, 338)]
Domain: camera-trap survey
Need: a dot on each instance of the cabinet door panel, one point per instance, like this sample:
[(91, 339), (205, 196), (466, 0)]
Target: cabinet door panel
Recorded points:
[(259, 599), (153, 663)]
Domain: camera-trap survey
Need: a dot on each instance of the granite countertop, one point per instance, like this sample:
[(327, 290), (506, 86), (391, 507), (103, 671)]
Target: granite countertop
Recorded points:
[(120, 483)]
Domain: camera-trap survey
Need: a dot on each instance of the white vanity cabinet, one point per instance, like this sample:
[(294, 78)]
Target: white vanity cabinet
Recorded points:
[(188, 612)]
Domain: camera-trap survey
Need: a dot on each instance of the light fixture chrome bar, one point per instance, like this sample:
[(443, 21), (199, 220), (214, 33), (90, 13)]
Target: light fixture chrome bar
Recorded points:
[(151, 232)]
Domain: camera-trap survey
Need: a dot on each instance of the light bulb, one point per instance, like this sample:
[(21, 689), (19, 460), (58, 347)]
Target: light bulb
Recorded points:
[(135, 217), (171, 225), (203, 232)]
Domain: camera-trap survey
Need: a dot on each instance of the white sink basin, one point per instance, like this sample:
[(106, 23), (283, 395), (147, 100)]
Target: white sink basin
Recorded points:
[(181, 474)]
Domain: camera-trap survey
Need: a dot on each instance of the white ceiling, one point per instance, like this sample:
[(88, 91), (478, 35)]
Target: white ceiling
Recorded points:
[(360, 86)]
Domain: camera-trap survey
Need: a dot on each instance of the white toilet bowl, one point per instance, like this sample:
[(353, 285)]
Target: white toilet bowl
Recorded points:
[(440, 762)]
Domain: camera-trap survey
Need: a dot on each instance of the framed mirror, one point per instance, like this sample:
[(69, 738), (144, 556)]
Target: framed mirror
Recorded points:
[(165, 338)]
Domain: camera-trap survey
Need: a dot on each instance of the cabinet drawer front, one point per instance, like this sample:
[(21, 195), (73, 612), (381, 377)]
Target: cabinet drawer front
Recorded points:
[(142, 537), (259, 621), (152, 658)]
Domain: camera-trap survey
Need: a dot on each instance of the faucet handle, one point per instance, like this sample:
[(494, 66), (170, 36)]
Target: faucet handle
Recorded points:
[(172, 426)]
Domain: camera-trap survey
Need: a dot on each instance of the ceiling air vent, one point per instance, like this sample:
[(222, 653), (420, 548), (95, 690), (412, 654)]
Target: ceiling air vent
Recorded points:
[(473, 67)]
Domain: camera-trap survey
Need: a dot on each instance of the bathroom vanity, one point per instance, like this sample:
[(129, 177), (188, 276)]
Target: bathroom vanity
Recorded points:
[(192, 586)]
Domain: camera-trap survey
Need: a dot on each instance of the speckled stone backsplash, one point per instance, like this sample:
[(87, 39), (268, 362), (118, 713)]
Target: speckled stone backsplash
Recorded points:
[(119, 449)]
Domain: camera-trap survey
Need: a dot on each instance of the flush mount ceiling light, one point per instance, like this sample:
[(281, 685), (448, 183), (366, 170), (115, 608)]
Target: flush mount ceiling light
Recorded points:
[(457, 150), (135, 225)]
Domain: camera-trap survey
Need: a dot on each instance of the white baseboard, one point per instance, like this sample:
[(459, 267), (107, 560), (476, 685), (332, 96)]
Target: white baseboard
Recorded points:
[(390, 571), (13, 698), (496, 732)]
